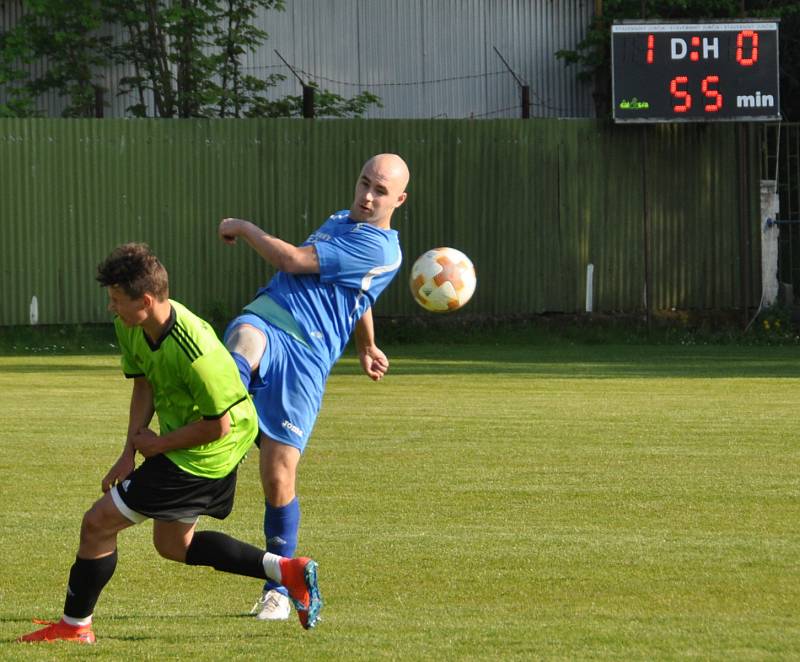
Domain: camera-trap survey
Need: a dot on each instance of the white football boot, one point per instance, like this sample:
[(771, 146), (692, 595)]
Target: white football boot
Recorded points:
[(272, 606)]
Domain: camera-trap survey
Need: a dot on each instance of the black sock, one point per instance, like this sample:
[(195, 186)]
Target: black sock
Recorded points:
[(227, 554), (87, 577)]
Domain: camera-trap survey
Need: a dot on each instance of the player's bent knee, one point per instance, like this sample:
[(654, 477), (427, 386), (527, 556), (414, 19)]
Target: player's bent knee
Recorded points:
[(88, 527), (95, 525), (172, 550), (248, 341), (172, 554), (172, 539)]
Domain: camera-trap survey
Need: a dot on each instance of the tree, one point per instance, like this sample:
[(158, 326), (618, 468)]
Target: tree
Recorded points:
[(186, 54), (14, 55), (66, 33), (183, 58), (593, 54)]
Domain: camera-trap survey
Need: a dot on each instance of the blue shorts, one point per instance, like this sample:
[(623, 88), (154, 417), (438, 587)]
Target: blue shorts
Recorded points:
[(287, 389)]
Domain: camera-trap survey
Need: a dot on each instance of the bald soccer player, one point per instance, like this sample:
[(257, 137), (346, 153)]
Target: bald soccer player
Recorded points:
[(288, 338)]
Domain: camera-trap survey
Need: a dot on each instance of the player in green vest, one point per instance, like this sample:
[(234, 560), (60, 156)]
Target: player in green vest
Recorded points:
[(183, 373)]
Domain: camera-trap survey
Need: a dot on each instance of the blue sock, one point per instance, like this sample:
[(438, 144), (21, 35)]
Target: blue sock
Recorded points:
[(244, 368), (280, 530)]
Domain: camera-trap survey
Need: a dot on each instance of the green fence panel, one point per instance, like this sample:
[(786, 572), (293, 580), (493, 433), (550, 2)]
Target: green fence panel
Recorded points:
[(531, 202)]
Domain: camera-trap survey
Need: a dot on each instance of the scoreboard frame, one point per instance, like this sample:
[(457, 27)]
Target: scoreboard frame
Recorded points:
[(709, 71)]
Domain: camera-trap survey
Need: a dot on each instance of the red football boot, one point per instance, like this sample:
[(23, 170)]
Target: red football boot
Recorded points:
[(60, 631), (299, 576)]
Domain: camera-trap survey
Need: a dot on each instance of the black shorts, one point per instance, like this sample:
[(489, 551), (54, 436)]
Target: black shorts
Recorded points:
[(159, 489)]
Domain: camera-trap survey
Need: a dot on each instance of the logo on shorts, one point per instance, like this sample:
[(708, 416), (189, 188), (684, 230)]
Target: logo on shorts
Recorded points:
[(292, 428), (124, 485)]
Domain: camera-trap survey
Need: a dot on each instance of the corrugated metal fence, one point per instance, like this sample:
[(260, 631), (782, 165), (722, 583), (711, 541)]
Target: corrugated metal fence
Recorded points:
[(532, 202), (424, 59)]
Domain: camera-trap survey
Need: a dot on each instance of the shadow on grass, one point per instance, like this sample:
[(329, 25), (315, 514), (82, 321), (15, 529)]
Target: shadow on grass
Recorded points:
[(593, 362), (134, 618), (37, 367), (562, 361), (27, 625)]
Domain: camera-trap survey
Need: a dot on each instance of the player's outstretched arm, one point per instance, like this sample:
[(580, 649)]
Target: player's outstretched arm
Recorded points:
[(374, 362), (280, 254)]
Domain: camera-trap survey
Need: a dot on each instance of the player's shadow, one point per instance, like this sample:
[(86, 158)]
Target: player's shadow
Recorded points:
[(56, 367), (139, 635), (589, 362)]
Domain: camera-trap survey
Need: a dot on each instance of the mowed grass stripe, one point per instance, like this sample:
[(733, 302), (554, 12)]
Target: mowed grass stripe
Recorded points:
[(603, 502)]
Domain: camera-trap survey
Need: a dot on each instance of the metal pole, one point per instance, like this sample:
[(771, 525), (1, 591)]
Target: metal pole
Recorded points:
[(308, 102), (526, 102), (99, 106), (308, 90), (648, 295), (291, 68), (745, 272), (525, 89)]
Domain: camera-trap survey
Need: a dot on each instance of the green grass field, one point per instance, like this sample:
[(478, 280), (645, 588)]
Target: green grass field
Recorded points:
[(483, 502)]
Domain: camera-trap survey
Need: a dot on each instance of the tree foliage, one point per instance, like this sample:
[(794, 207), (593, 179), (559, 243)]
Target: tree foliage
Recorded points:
[(66, 34), (182, 58), (593, 54), (326, 104)]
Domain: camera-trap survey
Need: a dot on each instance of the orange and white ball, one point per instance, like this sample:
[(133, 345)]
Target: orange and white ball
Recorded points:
[(442, 280)]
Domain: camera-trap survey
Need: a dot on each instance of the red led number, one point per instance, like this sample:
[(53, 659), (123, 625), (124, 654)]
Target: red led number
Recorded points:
[(651, 42), (713, 96), (682, 95), (694, 56), (752, 35)]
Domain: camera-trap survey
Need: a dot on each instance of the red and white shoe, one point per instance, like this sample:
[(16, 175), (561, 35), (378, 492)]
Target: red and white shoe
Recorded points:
[(59, 631), (299, 576)]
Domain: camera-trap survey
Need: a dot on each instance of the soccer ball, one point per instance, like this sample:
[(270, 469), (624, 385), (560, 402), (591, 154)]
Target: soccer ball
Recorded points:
[(442, 279)]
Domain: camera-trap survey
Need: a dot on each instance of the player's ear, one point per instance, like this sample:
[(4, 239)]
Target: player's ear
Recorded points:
[(401, 198), (148, 300)]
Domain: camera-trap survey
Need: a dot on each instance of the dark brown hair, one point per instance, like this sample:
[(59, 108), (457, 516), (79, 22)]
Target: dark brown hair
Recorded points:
[(135, 270)]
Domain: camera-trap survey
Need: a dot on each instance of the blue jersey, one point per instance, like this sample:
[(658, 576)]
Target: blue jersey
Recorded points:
[(356, 263)]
